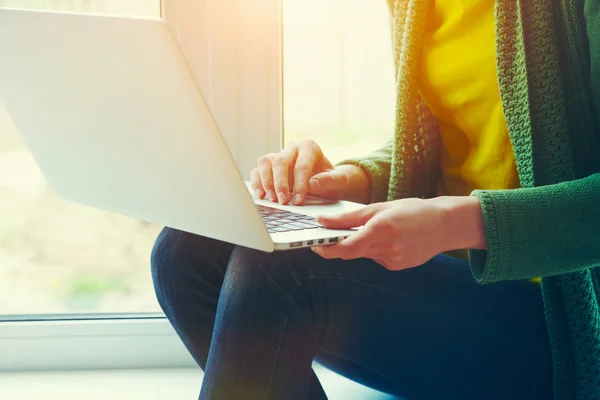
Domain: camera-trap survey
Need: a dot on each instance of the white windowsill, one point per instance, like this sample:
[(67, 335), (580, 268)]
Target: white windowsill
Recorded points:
[(91, 344), (113, 359), (151, 384)]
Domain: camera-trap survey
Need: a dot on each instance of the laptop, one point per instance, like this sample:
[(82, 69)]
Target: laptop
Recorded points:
[(83, 92)]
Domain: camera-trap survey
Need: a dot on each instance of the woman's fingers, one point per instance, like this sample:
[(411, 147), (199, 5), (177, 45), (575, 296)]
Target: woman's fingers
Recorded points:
[(265, 170), (288, 173), (309, 154), (282, 163), (357, 245), (350, 219), (350, 248), (330, 184), (256, 184)]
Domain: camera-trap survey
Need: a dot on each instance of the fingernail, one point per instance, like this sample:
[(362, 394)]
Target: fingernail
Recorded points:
[(272, 196), (282, 197), (314, 184), (297, 199), (258, 193)]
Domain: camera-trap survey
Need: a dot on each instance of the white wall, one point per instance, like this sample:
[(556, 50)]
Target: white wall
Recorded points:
[(339, 82), (121, 7), (234, 49)]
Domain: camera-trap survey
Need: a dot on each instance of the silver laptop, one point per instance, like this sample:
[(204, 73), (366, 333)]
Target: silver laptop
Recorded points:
[(115, 120)]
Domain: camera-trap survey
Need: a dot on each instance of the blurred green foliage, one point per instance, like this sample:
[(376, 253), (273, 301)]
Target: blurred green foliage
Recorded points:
[(85, 291)]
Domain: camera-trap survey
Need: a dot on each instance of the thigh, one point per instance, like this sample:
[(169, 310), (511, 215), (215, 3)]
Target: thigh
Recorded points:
[(429, 332), (188, 272), (181, 259)]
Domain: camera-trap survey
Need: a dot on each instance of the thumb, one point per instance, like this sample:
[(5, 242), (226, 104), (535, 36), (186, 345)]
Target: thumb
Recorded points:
[(350, 219), (328, 184)]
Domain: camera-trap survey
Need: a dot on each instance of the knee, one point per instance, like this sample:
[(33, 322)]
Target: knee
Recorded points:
[(278, 273), (270, 285), (164, 259), (177, 256)]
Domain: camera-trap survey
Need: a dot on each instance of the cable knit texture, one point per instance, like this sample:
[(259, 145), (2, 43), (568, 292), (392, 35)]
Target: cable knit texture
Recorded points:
[(548, 63)]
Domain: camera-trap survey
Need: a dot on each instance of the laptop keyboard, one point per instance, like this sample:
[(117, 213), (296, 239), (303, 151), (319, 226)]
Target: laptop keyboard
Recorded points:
[(286, 221)]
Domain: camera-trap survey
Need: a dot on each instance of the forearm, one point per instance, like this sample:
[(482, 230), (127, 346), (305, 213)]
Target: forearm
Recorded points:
[(359, 185), (541, 231)]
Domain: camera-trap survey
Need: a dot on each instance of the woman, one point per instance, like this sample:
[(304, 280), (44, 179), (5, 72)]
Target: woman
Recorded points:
[(496, 151)]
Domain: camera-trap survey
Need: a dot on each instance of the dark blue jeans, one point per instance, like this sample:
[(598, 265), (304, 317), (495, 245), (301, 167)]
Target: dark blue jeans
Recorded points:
[(256, 321)]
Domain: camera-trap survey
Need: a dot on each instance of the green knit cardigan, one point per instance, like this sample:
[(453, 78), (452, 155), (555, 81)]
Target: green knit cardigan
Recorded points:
[(548, 63)]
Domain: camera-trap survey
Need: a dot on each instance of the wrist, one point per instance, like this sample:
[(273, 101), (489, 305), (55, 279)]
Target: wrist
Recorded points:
[(462, 223), (359, 184)]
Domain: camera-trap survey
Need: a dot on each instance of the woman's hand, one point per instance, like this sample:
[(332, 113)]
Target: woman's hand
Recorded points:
[(299, 169), (407, 233)]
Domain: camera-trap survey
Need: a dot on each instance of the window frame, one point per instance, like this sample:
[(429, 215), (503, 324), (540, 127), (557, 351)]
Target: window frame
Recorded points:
[(116, 341), (75, 344)]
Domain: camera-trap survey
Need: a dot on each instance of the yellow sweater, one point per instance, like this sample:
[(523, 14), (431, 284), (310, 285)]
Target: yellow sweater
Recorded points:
[(459, 85)]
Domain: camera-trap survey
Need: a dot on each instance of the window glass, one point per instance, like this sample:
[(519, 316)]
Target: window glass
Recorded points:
[(57, 257), (338, 75)]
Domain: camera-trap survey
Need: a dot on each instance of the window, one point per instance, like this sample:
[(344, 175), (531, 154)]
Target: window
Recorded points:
[(73, 293), (338, 75), (62, 258), (57, 257), (68, 262)]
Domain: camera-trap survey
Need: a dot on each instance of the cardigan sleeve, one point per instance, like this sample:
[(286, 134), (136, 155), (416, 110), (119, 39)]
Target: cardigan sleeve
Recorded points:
[(377, 165), (541, 231)]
